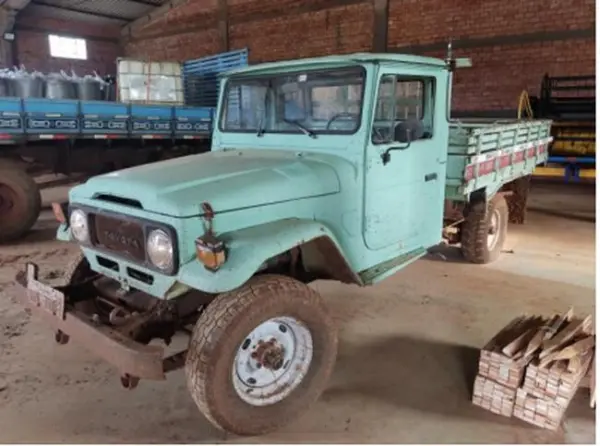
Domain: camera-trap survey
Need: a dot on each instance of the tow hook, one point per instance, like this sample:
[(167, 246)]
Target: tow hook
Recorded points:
[(61, 338), (129, 382)]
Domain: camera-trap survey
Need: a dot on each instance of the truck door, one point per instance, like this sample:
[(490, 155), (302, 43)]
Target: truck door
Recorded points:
[(404, 198)]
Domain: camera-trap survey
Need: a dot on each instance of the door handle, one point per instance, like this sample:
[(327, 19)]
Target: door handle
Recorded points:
[(431, 176)]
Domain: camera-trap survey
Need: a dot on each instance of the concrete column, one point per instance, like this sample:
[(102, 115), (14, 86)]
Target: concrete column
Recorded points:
[(223, 25), (7, 23), (380, 25), (8, 14)]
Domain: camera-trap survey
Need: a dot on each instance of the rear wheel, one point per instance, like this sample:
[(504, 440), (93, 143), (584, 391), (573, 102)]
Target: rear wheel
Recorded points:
[(484, 230), (20, 201), (260, 355)]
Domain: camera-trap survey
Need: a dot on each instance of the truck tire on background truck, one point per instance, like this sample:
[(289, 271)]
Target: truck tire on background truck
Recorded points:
[(249, 387), (484, 230), (20, 201)]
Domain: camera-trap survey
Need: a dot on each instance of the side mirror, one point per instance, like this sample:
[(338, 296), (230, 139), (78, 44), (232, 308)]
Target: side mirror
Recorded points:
[(409, 131), (403, 134)]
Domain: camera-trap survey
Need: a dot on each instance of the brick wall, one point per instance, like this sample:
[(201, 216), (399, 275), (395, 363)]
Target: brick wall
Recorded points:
[(185, 32), (285, 29), (500, 73), (33, 49), (512, 44), (289, 31)]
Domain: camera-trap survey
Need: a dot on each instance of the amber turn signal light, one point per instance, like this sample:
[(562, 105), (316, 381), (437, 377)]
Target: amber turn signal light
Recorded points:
[(210, 251), (59, 211)]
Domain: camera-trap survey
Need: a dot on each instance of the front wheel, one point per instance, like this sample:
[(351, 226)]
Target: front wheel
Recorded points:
[(260, 355), (484, 230)]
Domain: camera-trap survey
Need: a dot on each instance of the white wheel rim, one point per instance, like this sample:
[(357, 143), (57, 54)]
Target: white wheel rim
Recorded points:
[(272, 361), (493, 230)]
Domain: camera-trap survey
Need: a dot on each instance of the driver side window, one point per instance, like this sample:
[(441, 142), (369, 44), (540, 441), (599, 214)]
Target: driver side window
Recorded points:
[(406, 102), (332, 100)]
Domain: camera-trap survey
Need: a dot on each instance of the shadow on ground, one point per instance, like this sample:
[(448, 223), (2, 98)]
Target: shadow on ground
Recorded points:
[(445, 253), (569, 214), (43, 231), (37, 235), (425, 372), (430, 377)]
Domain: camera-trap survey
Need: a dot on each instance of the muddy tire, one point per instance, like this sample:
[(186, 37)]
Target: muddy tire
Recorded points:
[(20, 201), (248, 387), (484, 230), (517, 201), (78, 269)]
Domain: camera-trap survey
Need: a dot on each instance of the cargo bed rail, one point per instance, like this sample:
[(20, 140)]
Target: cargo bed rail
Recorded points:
[(45, 119), (488, 154)]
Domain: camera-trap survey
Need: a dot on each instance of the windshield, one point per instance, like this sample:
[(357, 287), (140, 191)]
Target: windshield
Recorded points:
[(309, 102)]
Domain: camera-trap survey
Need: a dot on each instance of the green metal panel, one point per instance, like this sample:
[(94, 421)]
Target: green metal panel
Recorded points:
[(272, 190), (469, 138)]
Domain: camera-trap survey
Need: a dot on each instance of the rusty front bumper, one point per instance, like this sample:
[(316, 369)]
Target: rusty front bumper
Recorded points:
[(130, 357)]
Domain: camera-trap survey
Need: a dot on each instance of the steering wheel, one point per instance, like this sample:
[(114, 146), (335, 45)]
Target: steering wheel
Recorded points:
[(341, 115), (378, 135)]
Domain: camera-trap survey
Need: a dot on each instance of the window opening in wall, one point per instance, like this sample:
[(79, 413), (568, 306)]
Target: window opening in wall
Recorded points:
[(67, 47)]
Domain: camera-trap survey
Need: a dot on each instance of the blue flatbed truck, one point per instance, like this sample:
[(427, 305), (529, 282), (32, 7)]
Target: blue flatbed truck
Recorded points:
[(84, 138)]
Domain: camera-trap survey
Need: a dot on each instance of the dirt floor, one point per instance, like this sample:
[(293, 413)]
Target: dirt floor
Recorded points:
[(408, 349)]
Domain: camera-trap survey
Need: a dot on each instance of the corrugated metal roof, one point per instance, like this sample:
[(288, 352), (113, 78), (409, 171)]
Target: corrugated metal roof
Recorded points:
[(114, 12)]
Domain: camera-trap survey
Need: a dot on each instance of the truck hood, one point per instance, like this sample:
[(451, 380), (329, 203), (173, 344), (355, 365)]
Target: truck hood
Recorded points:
[(228, 180)]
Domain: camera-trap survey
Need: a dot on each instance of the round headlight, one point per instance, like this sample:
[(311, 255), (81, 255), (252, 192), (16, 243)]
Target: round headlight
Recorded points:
[(160, 249), (79, 225)]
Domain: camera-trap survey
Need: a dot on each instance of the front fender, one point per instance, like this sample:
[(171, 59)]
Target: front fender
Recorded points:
[(248, 249)]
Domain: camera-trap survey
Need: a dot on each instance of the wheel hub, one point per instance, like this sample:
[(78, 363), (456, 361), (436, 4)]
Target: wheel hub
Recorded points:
[(269, 354), (272, 361), (493, 230)]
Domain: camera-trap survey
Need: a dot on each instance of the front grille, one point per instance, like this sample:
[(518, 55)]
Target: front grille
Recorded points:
[(121, 236)]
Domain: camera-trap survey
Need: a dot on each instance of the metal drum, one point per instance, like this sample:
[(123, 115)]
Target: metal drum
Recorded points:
[(89, 90), (5, 87), (28, 86), (60, 88), (110, 92)]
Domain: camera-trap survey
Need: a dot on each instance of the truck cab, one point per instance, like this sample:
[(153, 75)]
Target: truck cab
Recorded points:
[(328, 168), (347, 149)]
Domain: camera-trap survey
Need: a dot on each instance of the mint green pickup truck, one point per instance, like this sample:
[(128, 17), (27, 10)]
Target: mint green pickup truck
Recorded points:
[(344, 168)]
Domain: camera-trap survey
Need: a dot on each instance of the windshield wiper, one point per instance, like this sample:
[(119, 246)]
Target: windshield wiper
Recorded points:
[(261, 129), (261, 126), (305, 130)]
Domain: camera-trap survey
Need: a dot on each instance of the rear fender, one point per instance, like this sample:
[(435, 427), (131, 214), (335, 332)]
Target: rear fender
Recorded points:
[(486, 194), (249, 248)]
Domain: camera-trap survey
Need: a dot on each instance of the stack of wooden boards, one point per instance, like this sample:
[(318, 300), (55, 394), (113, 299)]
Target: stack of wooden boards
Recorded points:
[(532, 368)]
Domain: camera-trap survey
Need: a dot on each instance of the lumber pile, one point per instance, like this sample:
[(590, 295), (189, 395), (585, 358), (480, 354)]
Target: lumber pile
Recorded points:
[(533, 367), (493, 396)]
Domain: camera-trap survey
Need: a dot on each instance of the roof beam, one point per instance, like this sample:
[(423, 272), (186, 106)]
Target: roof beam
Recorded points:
[(14, 4), (144, 2), (90, 37), (79, 11), (9, 9)]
